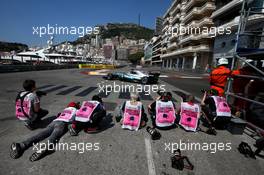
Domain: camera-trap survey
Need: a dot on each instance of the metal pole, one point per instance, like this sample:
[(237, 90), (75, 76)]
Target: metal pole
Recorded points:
[(236, 47), (246, 99), (258, 70)]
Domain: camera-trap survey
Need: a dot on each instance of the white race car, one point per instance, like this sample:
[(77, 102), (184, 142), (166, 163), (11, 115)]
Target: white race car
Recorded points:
[(134, 76)]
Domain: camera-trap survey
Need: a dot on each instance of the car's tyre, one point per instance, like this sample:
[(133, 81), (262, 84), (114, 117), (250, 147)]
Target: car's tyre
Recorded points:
[(144, 80), (109, 77)]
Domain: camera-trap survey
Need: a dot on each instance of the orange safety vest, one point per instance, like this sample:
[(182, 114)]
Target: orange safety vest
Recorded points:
[(218, 79)]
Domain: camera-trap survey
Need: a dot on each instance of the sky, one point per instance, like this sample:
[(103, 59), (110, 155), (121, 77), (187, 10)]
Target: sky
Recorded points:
[(19, 18)]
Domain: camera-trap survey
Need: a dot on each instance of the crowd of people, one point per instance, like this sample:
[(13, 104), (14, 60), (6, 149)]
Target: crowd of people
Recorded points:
[(213, 112)]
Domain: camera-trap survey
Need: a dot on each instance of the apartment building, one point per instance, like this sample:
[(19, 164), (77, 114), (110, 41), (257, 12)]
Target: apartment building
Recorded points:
[(147, 53), (156, 52), (187, 50), (108, 50), (122, 53), (152, 51), (227, 15), (159, 26)]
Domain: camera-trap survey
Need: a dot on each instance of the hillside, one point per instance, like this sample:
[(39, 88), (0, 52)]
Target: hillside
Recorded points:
[(126, 30), (8, 47), (129, 31)]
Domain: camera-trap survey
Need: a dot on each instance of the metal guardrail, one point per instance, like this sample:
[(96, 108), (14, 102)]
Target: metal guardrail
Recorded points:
[(250, 77), (244, 98), (23, 68)]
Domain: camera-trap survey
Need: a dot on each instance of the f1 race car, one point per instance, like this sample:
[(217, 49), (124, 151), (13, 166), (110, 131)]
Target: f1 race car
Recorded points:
[(134, 76)]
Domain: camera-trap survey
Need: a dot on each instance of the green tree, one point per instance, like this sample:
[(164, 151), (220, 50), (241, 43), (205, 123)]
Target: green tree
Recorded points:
[(136, 57)]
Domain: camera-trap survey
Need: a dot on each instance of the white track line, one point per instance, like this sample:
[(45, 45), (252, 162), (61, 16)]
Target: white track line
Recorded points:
[(151, 166), (163, 76), (185, 77)]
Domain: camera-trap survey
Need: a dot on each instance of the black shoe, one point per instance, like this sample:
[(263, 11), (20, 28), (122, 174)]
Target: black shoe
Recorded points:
[(40, 154), (29, 126), (211, 131), (16, 151), (155, 135)]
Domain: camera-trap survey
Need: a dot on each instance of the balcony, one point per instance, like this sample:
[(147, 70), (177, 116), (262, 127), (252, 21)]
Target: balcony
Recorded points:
[(189, 38), (177, 17), (203, 22), (189, 49), (164, 40), (227, 7), (157, 60), (253, 19), (200, 11), (156, 56), (174, 36), (178, 7), (165, 28), (157, 42), (172, 46), (176, 10), (156, 51), (192, 3), (163, 49), (183, 14), (181, 18), (233, 23), (170, 8), (156, 46), (166, 21), (164, 36)]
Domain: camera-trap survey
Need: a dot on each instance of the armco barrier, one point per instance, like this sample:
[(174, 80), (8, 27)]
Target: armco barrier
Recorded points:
[(23, 68), (97, 66)]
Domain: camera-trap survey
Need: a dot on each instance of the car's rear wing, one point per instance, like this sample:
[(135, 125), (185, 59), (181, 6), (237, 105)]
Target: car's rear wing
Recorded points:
[(154, 73)]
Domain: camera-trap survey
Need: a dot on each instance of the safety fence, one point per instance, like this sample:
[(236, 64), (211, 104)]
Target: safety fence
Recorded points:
[(248, 98), (23, 68)]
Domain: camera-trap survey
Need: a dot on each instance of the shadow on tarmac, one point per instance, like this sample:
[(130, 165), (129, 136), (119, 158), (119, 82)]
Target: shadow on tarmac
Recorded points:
[(107, 122), (44, 122)]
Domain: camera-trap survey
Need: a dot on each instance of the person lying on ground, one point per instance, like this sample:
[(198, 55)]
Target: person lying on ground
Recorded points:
[(54, 131), (88, 117)]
